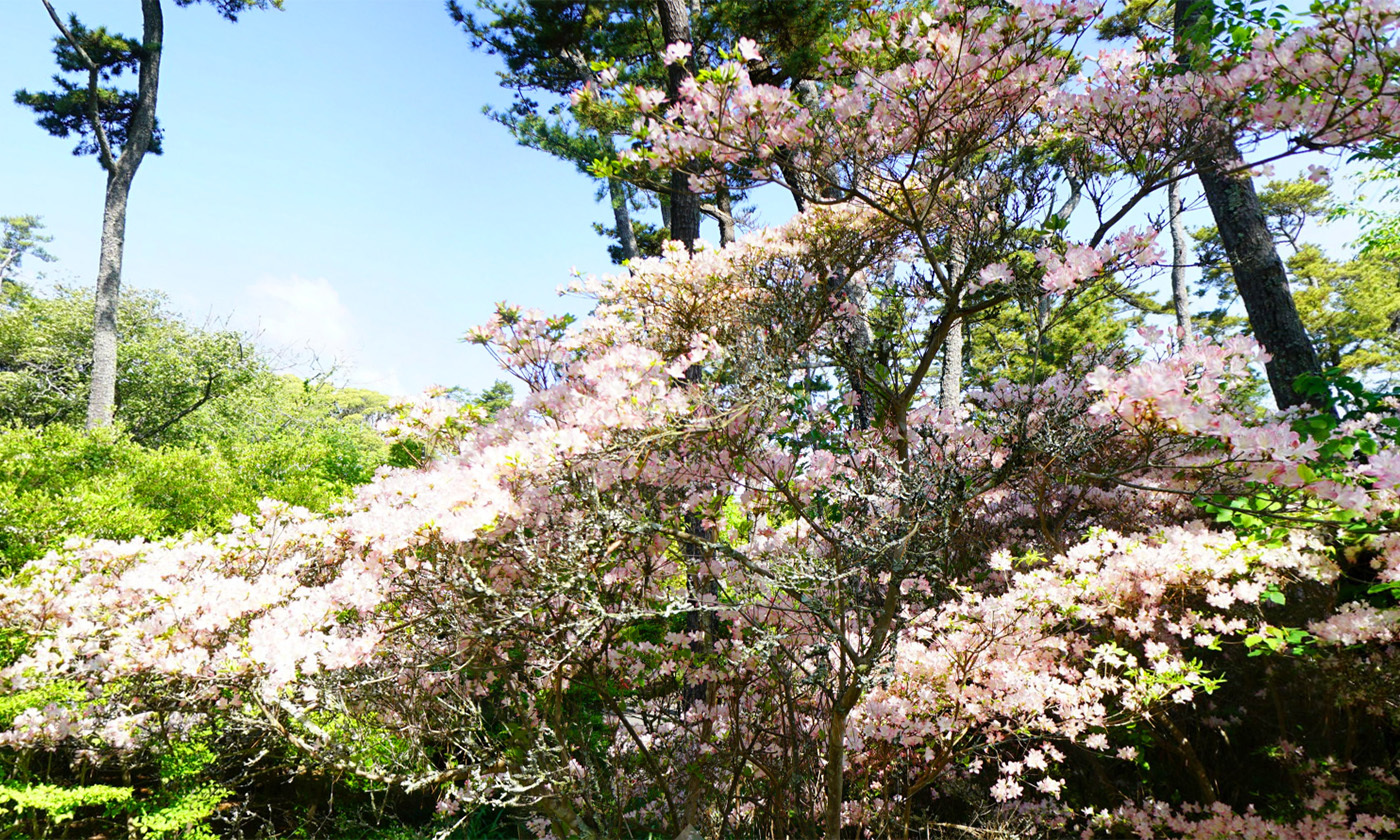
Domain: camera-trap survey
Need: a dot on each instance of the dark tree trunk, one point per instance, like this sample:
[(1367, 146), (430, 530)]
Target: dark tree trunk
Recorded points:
[(1254, 261), (102, 398), (685, 205), (685, 209), (1259, 276)]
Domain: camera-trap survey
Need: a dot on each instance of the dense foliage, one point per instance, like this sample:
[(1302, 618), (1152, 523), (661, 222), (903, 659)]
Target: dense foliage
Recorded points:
[(57, 482), (739, 565), (166, 369), (204, 429)]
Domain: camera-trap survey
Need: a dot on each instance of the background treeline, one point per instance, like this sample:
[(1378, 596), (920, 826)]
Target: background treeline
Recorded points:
[(205, 428)]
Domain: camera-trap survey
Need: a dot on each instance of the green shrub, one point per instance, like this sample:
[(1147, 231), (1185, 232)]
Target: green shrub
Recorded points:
[(58, 482), (166, 369)]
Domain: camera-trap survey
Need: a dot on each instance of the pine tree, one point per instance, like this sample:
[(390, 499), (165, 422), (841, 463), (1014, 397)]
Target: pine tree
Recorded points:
[(119, 127)]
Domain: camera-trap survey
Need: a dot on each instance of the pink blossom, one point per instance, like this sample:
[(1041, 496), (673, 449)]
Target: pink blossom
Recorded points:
[(676, 53), (748, 50)]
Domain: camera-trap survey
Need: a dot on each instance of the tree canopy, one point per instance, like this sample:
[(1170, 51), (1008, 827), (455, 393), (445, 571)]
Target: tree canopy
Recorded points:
[(166, 368)]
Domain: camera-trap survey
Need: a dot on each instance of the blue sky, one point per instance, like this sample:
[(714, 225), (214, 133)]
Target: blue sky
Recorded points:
[(328, 179)]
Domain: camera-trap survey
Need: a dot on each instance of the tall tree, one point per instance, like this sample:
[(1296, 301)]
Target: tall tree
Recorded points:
[(119, 126), (685, 204), (553, 49), (1259, 272), (1350, 308)]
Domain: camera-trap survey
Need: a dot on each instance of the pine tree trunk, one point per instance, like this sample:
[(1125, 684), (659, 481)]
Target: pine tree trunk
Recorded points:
[(102, 396), (103, 384), (1254, 261), (1259, 276), (622, 219), (800, 182), (728, 233), (685, 205), (1181, 300), (950, 383), (685, 210)]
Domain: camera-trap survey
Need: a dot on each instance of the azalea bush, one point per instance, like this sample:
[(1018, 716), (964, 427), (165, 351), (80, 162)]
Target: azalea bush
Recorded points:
[(638, 600), (735, 566)]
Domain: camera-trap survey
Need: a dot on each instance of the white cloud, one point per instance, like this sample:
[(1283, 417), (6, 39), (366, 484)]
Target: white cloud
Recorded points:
[(302, 312), (303, 317), (309, 330), (383, 380)]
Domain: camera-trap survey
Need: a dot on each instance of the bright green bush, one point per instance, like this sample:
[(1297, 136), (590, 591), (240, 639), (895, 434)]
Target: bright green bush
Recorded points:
[(204, 429), (166, 369), (58, 482), (46, 805), (298, 441)]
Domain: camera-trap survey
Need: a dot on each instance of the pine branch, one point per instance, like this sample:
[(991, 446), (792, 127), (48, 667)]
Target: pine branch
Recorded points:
[(104, 147)]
